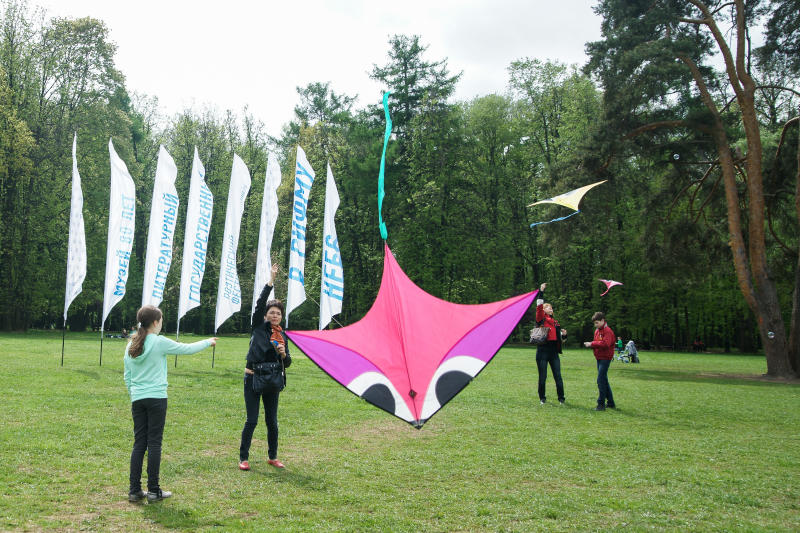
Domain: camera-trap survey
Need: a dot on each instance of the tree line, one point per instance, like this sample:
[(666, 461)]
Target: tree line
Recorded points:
[(698, 218)]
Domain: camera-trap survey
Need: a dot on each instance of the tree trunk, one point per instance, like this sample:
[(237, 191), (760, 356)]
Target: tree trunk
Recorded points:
[(750, 261), (794, 325)]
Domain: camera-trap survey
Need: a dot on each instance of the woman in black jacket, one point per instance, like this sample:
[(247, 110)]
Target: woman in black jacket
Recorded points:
[(547, 353), (268, 343)]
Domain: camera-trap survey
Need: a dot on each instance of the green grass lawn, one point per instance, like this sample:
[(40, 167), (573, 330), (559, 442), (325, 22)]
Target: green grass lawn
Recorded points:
[(697, 445)]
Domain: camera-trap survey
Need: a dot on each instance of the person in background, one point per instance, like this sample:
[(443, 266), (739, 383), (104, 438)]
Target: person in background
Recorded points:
[(547, 353), (620, 345), (633, 353), (603, 347), (698, 345), (145, 374), (268, 343)]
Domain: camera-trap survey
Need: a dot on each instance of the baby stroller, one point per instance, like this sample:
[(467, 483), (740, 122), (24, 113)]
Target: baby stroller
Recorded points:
[(630, 355)]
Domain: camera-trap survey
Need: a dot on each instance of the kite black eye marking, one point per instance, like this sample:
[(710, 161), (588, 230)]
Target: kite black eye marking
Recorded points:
[(449, 384), (379, 395)]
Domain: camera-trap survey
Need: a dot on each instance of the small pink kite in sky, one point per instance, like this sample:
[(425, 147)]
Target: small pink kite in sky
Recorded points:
[(609, 283)]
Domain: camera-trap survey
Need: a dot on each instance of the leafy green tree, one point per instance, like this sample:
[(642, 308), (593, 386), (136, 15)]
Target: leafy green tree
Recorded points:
[(16, 166), (783, 33), (412, 80), (418, 86), (653, 64)]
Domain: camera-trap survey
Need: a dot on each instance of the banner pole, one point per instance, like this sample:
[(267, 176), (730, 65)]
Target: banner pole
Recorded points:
[(63, 335), (177, 334)]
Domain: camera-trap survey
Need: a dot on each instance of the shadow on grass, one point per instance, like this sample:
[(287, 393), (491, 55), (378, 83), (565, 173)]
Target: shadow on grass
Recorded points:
[(292, 476), (173, 516), (88, 373), (755, 380)]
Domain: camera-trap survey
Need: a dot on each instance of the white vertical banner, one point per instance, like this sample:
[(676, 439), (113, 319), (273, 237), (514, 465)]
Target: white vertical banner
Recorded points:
[(163, 218), (269, 216), (121, 222), (229, 294), (199, 209), (76, 252), (332, 280), (303, 180)]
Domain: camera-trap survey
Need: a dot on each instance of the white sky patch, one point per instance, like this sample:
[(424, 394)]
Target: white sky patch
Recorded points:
[(239, 53)]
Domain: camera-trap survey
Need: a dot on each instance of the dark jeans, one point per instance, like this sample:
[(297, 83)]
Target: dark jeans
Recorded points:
[(544, 355), (149, 415), (605, 397), (251, 401)]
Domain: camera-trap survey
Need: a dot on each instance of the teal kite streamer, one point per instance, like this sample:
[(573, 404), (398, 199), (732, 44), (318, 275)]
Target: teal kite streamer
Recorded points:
[(386, 135), (555, 219)]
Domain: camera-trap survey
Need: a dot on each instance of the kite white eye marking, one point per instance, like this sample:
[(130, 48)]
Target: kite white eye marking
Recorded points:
[(368, 379), (464, 364)]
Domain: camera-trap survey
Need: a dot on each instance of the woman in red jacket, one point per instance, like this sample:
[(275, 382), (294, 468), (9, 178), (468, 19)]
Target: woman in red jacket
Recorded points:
[(547, 353)]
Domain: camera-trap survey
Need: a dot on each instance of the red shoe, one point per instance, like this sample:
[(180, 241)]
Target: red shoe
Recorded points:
[(276, 463), (244, 465)]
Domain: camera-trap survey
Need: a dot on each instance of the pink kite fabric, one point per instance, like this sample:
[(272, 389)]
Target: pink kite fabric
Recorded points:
[(412, 352), (609, 283)]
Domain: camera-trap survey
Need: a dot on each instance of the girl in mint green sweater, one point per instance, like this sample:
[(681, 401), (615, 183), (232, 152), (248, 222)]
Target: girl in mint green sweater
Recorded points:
[(146, 378)]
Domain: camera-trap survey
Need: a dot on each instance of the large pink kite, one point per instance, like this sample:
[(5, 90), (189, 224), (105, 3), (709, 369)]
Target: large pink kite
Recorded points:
[(412, 352), (609, 283)]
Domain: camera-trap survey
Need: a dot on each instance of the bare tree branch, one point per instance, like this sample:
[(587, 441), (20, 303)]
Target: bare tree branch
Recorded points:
[(789, 89), (783, 245), (722, 44), (665, 124), (702, 208), (699, 183), (783, 137)]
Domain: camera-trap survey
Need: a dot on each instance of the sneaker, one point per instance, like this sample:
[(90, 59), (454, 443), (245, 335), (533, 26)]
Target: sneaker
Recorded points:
[(134, 497), (542, 402), (560, 402), (158, 495), (276, 463), (244, 465), (611, 406), (600, 408)]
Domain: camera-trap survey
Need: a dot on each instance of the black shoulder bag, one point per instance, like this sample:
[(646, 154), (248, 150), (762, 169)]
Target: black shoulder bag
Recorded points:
[(268, 377)]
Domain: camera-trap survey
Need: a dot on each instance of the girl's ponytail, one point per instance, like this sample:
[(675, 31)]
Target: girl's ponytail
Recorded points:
[(145, 316)]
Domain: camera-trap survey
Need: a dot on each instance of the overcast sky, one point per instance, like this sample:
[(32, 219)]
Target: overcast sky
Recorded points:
[(232, 53)]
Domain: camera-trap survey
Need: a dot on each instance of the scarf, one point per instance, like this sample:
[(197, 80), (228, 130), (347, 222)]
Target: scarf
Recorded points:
[(276, 335)]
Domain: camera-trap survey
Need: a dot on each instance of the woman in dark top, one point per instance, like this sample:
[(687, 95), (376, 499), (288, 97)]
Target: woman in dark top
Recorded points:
[(268, 343), (547, 353)]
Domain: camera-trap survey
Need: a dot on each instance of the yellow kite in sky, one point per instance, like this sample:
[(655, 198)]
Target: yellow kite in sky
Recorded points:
[(569, 199)]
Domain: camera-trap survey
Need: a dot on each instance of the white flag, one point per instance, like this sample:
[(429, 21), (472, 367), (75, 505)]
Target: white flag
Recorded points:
[(121, 221), (332, 284), (269, 215), (229, 295), (76, 254), (195, 241), (303, 180), (163, 217)]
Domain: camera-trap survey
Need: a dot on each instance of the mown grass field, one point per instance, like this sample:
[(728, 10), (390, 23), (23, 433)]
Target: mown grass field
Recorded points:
[(697, 445)]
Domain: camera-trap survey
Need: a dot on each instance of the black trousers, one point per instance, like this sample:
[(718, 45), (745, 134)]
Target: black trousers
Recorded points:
[(149, 415), (251, 402), (546, 355)]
